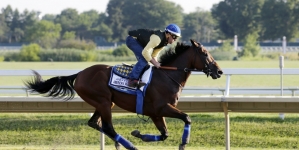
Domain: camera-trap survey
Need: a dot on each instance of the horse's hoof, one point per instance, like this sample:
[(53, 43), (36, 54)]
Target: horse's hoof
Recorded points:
[(117, 145), (136, 133), (181, 147)]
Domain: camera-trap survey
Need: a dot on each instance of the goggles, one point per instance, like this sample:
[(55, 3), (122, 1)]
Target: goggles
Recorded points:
[(173, 36)]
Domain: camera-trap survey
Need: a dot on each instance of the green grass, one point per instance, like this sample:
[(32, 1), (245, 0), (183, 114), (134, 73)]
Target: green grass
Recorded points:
[(247, 130)]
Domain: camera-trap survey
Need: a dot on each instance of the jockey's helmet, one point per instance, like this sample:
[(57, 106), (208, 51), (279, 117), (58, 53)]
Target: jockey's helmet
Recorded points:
[(173, 29)]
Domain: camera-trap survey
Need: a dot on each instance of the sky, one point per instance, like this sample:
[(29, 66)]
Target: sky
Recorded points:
[(56, 6)]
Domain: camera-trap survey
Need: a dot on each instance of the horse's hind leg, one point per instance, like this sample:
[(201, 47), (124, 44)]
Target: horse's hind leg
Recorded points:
[(161, 126), (95, 122), (95, 92)]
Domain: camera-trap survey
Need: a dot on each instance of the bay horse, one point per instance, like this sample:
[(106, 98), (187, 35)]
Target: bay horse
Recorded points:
[(160, 101)]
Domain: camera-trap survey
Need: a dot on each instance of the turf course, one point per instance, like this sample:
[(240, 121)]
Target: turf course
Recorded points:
[(60, 130)]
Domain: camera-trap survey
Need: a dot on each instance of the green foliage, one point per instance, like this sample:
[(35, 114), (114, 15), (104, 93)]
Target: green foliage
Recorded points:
[(133, 14), (45, 33), (30, 53), (272, 19), (69, 35), (200, 26), (68, 55), (251, 48), (280, 18), (225, 52), (122, 50), (1, 58), (68, 19), (238, 17), (11, 56), (77, 44)]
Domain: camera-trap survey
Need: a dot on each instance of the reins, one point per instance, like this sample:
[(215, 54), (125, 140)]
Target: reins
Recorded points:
[(180, 69)]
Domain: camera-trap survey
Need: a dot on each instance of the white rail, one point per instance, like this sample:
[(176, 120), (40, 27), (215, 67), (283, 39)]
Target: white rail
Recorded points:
[(188, 90)]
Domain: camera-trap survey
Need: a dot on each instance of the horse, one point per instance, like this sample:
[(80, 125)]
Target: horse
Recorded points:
[(160, 100)]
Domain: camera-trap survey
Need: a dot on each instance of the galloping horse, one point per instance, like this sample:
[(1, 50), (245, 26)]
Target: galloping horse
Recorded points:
[(160, 100)]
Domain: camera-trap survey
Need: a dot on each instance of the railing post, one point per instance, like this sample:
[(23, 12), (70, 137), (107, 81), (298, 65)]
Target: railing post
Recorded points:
[(281, 65), (227, 126), (227, 85), (225, 109)]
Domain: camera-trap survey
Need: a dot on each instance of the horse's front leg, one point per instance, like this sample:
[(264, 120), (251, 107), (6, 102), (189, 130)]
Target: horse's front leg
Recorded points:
[(172, 112), (161, 126)]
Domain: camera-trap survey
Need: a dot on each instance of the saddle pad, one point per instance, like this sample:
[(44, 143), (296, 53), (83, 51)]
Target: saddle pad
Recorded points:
[(122, 70), (119, 79)]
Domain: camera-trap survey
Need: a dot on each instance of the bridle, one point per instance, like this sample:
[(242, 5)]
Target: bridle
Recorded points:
[(205, 60), (203, 57)]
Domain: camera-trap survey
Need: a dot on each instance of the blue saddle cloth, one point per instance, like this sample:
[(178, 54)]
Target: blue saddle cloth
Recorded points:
[(119, 81)]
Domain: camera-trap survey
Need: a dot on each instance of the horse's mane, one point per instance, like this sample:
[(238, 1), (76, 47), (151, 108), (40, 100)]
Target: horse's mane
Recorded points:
[(173, 53)]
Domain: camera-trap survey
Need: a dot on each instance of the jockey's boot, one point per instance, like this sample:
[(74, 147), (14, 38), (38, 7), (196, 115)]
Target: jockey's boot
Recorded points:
[(135, 83)]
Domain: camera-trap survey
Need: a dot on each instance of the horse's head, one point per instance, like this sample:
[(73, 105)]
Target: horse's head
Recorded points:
[(207, 62)]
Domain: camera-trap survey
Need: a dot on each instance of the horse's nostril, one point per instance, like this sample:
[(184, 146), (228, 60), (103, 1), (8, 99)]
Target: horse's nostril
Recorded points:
[(219, 72)]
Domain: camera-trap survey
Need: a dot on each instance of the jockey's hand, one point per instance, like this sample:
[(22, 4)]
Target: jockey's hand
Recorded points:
[(155, 63)]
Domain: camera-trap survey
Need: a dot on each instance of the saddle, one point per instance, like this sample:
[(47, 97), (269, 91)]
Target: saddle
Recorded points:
[(125, 69), (119, 81), (120, 77)]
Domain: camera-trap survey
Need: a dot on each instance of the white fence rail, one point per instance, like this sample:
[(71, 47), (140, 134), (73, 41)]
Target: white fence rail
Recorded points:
[(187, 90)]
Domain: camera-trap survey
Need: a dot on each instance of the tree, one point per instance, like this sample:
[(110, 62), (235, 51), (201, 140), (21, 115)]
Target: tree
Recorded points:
[(238, 17), (69, 35), (125, 15), (68, 19), (280, 18), (122, 51), (3, 28), (251, 48), (13, 24), (49, 17), (45, 33), (102, 30), (224, 52), (199, 25), (86, 21), (8, 17)]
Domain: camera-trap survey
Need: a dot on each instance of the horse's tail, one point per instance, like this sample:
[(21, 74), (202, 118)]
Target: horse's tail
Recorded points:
[(55, 87)]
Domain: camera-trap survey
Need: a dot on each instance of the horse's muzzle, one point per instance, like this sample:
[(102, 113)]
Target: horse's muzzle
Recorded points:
[(217, 74)]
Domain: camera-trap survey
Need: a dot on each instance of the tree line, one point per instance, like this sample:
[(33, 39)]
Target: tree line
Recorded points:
[(259, 20)]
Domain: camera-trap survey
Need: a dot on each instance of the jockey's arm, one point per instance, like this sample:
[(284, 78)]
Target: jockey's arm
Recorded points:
[(148, 51)]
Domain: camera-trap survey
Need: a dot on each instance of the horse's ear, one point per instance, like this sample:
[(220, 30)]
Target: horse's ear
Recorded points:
[(194, 43)]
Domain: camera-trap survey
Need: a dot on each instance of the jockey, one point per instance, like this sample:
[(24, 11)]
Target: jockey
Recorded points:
[(146, 45)]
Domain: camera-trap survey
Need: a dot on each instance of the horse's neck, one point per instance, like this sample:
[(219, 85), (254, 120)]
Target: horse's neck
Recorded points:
[(180, 75)]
